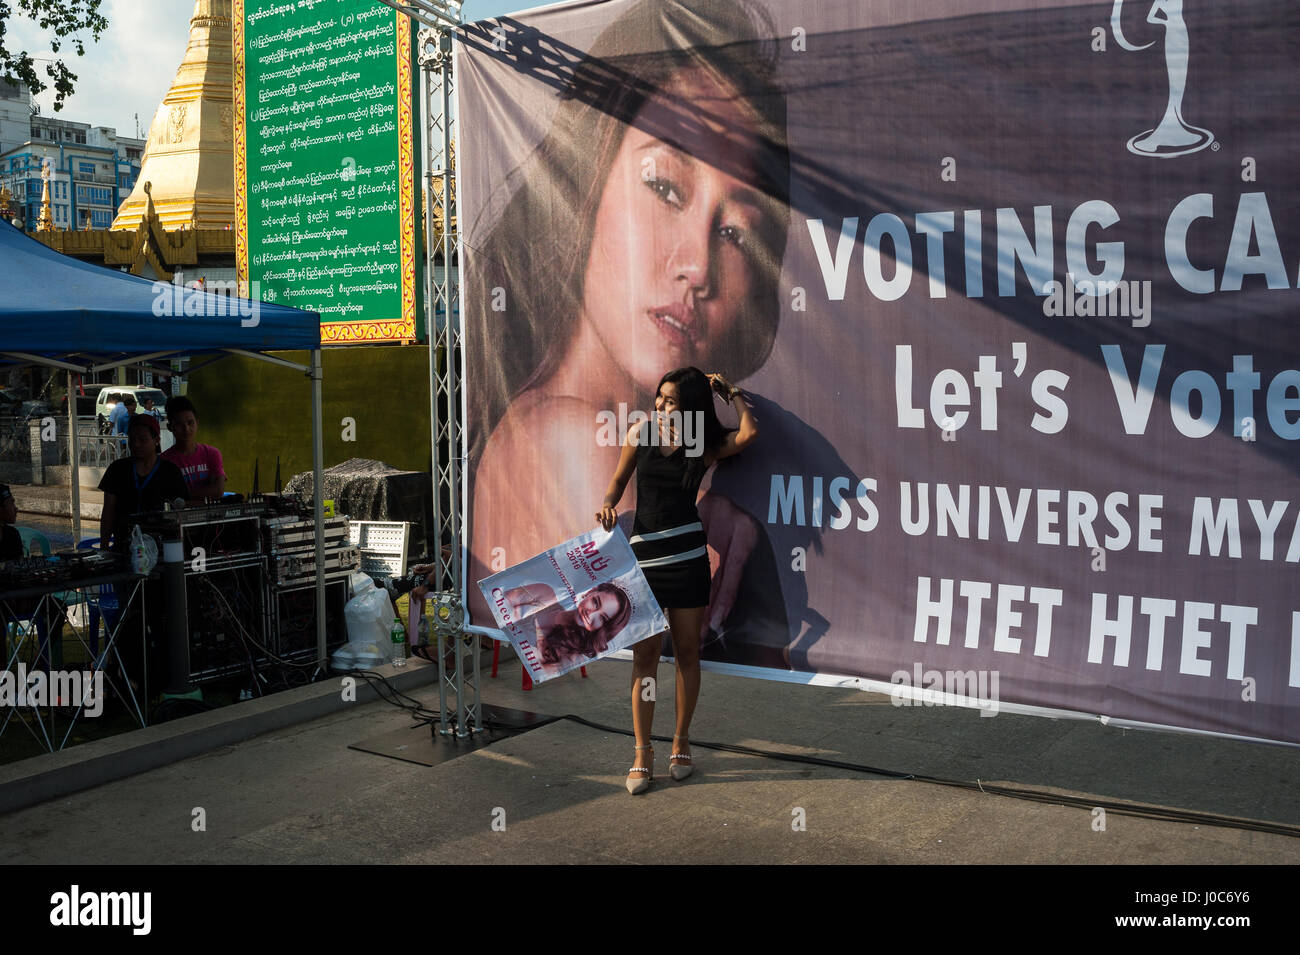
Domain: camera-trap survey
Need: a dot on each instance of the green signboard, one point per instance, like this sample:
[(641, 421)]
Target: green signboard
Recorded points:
[(325, 163)]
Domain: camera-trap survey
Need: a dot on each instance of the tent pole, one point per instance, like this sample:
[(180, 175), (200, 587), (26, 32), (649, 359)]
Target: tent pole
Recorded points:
[(318, 466), (74, 455)]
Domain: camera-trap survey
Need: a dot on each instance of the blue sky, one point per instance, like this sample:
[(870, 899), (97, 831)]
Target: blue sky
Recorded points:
[(129, 70)]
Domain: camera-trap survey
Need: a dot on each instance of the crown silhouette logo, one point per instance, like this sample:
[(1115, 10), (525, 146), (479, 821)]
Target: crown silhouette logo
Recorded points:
[(1173, 135)]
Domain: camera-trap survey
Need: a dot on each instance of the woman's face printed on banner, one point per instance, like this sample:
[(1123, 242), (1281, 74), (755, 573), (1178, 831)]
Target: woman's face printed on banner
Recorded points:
[(671, 266), (677, 236), (597, 609)]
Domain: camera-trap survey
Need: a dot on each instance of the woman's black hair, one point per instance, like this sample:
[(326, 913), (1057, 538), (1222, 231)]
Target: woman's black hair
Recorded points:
[(569, 640), (534, 260), (695, 396)]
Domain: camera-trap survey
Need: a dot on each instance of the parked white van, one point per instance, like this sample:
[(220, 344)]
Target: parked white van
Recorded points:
[(110, 395)]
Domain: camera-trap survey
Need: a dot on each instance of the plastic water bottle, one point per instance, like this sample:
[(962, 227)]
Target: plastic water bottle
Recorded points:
[(399, 644)]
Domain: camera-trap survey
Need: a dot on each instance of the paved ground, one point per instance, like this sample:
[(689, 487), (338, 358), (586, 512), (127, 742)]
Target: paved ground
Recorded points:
[(556, 794)]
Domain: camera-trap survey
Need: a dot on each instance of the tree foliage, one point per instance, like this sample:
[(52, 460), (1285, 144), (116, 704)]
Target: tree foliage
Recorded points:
[(68, 21)]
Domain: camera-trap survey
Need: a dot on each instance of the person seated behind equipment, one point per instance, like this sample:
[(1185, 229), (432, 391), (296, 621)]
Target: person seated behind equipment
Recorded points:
[(21, 608), (11, 542), (142, 482), (200, 464), (11, 548)]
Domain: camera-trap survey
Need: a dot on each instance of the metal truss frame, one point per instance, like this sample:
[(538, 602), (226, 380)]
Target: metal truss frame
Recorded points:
[(457, 676)]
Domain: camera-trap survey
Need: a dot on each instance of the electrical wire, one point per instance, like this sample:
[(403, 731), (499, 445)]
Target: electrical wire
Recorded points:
[(249, 637), (395, 697), (1136, 810)]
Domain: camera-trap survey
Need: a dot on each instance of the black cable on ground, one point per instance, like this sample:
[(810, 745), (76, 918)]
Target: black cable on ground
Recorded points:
[(425, 716), (393, 696), (1033, 795)]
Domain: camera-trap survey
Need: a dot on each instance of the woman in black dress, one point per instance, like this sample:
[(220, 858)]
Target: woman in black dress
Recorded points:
[(670, 454)]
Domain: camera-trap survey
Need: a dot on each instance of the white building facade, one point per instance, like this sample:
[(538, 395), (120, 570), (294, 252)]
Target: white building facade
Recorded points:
[(93, 169)]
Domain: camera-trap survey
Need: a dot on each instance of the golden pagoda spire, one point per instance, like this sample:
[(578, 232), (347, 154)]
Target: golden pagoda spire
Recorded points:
[(46, 222), (189, 156)]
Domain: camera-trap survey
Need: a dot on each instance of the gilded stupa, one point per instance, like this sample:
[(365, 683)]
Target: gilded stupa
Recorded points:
[(188, 162), (46, 222)]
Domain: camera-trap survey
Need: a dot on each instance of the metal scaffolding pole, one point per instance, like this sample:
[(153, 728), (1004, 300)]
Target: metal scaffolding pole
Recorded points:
[(440, 19), (458, 650)]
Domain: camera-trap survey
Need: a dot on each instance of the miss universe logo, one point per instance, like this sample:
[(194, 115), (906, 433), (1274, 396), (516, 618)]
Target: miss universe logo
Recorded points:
[(1173, 136)]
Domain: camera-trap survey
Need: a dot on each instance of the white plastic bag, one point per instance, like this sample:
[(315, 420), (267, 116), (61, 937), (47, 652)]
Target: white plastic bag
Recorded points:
[(144, 552), (369, 617)]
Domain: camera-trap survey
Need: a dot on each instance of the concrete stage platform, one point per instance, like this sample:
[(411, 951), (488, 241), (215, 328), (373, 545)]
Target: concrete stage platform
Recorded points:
[(301, 793)]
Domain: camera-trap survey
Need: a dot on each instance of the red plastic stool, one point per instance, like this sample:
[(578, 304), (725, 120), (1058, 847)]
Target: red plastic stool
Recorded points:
[(527, 682)]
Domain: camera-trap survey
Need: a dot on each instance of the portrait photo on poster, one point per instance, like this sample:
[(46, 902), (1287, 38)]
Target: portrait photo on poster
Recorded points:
[(573, 604), (662, 185)]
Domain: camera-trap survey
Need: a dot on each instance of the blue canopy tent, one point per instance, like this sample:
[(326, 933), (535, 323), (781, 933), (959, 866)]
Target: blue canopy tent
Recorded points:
[(55, 304), (62, 313)]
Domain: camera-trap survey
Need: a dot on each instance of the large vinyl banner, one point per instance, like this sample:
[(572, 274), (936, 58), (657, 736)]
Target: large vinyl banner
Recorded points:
[(1011, 285)]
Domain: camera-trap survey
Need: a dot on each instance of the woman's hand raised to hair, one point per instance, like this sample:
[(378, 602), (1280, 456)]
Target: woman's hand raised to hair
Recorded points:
[(720, 385)]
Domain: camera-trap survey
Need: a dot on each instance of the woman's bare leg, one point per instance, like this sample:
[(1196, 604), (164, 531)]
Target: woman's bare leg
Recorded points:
[(645, 665), (686, 626)]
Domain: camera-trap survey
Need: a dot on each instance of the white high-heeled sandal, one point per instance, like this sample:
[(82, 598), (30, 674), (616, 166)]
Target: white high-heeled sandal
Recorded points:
[(637, 786), (680, 765)]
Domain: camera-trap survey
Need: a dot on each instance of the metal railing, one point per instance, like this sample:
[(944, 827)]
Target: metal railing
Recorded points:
[(15, 442), (94, 450), (24, 442)]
